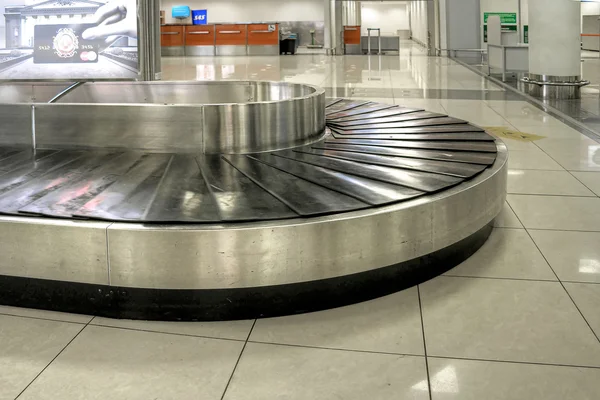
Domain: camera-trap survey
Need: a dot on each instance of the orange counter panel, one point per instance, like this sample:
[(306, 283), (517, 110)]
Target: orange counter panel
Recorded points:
[(172, 36), (352, 34), (231, 35), (200, 35), (259, 35)]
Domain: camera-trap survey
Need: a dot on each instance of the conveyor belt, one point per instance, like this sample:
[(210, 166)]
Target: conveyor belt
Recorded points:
[(371, 155)]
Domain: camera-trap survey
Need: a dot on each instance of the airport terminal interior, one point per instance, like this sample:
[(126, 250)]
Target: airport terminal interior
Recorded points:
[(307, 199)]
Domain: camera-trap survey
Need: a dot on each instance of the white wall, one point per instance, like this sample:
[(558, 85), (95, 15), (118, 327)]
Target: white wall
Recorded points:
[(389, 16), (462, 24), (590, 9), (418, 20), (252, 11), (443, 25), (2, 30)]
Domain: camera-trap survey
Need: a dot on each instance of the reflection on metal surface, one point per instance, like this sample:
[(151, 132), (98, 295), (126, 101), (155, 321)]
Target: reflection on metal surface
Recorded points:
[(193, 117), (418, 115), (301, 196), (472, 157), (350, 169), (367, 190), (238, 197), (317, 211), (489, 147)]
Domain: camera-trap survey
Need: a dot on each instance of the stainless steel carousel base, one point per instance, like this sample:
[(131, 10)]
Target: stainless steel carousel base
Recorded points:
[(387, 198)]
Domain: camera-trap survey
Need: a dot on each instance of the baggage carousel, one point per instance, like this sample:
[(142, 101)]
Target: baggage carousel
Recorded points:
[(230, 200)]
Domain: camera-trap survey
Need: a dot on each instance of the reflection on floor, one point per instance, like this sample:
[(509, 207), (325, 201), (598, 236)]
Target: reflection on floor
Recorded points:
[(587, 109), (519, 320)]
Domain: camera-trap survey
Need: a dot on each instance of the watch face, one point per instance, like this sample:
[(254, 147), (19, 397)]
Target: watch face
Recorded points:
[(64, 44)]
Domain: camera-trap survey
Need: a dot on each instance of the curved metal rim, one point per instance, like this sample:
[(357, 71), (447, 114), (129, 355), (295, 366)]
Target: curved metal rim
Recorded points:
[(561, 84), (317, 91), (261, 254), (237, 303), (501, 160)]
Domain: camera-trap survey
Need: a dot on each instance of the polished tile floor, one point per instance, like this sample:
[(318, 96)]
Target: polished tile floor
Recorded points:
[(585, 110), (519, 320)]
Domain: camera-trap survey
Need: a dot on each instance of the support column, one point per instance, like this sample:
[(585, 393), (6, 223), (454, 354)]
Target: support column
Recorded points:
[(351, 13), (149, 40), (351, 22), (554, 50), (333, 27), (430, 7)]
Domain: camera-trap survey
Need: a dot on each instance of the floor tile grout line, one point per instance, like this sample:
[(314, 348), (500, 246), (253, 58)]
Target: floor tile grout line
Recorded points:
[(580, 312), (238, 360), (557, 277), (534, 169), (592, 196), (569, 171), (583, 183), (51, 361), (553, 195), (304, 346), (496, 278), (581, 282), (424, 342), (559, 230), (501, 116), (43, 319), (514, 362), (564, 288), (166, 333), (554, 112)]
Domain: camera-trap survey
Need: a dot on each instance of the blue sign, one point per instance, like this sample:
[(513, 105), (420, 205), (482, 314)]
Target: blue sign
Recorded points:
[(180, 12), (200, 17)]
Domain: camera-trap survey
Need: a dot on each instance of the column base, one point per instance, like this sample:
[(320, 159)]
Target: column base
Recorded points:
[(550, 87)]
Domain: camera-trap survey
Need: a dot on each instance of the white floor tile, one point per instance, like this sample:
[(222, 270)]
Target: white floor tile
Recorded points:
[(27, 346), (516, 109), (574, 256), (508, 253), (476, 380), (496, 319), (428, 105), (532, 159), (507, 218), (557, 212), (515, 145), (580, 154), (283, 372), (108, 363), (560, 183), (587, 298), (389, 324), (549, 128), (42, 314), (474, 111), (590, 179), (237, 330)]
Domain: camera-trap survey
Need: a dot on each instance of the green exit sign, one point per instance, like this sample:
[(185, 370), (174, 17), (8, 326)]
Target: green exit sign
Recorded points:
[(505, 18)]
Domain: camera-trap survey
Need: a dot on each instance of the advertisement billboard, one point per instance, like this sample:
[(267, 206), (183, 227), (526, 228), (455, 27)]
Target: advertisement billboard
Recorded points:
[(73, 40)]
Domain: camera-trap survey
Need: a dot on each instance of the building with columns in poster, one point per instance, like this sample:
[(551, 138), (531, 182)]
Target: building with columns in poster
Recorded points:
[(19, 20)]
